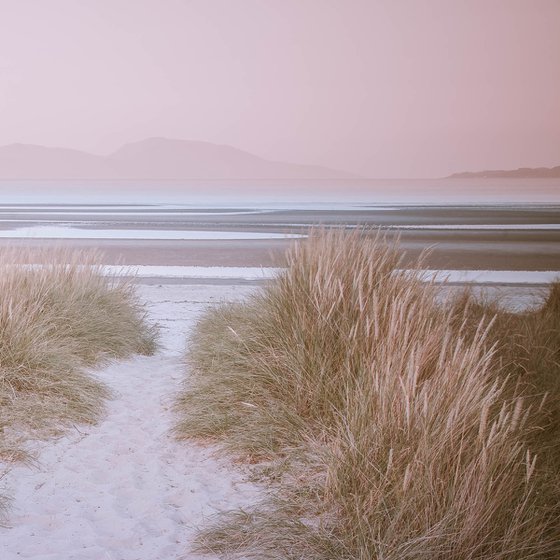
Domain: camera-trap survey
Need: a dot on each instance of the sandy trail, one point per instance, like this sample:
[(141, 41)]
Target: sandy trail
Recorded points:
[(124, 489)]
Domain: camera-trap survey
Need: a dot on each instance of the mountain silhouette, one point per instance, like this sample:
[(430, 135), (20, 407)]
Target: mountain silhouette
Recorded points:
[(521, 173), (154, 158)]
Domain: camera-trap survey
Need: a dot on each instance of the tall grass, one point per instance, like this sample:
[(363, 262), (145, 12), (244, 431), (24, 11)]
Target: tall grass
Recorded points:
[(56, 319), (389, 426)]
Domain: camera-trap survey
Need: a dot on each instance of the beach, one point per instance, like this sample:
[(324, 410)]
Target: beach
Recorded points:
[(125, 489), (501, 237)]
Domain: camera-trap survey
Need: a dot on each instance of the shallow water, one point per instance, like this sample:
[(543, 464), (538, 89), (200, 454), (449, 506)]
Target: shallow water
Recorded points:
[(476, 224), (286, 193)]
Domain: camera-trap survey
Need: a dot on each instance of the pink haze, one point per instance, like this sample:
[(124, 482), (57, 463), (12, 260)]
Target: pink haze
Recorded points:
[(384, 88)]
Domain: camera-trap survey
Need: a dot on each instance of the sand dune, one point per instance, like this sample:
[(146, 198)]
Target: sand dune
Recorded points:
[(125, 489)]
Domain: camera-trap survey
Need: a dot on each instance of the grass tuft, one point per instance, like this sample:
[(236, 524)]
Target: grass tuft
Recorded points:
[(390, 426), (57, 318)]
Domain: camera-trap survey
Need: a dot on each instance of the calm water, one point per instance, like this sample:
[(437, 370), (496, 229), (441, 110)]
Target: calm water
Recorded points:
[(289, 194), (468, 224)]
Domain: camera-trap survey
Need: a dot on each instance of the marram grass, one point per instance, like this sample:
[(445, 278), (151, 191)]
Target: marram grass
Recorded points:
[(58, 318), (390, 426)]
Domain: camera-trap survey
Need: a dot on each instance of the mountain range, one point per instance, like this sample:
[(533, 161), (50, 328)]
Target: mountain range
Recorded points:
[(169, 159), (521, 173), (154, 158)]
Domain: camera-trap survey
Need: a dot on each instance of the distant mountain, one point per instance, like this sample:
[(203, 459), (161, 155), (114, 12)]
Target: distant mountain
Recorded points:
[(521, 173), (154, 158), (27, 161)]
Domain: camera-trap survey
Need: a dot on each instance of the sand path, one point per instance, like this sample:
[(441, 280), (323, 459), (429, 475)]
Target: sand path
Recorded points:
[(124, 489)]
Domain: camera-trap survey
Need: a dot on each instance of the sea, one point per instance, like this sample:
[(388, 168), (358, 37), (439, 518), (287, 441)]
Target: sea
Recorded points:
[(506, 225)]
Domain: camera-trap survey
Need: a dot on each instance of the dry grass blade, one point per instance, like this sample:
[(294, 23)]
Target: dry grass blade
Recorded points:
[(58, 317), (393, 427)]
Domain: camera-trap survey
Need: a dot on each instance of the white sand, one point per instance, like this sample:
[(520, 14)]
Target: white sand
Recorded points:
[(485, 227), (124, 489), (502, 277), (63, 232), (178, 272)]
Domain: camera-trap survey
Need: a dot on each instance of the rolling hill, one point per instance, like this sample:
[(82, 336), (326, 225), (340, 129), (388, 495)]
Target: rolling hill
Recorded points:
[(154, 158), (521, 173)]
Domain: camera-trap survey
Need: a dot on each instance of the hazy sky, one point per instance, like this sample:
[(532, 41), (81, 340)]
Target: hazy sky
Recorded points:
[(385, 88)]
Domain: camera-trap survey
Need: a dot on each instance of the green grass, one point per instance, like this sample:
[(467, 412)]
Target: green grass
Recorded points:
[(56, 320), (389, 426)]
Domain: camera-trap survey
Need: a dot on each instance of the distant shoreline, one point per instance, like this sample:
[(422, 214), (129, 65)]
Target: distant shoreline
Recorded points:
[(521, 173)]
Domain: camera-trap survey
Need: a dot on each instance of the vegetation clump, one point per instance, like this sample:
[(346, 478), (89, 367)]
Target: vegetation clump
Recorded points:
[(58, 317), (390, 425)]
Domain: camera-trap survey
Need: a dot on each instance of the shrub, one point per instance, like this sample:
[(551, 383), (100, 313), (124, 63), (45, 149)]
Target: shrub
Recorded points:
[(390, 426), (57, 318)]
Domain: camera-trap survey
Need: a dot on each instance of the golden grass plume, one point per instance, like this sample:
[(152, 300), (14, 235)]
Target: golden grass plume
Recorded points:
[(392, 426), (58, 316)]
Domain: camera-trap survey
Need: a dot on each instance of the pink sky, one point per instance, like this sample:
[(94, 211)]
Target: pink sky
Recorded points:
[(387, 88)]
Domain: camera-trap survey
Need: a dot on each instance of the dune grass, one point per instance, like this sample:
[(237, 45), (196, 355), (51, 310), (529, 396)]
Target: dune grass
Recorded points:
[(388, 425), (56, 320)]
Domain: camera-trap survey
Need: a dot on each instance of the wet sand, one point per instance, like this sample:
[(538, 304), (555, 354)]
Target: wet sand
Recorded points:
[(444, 254), (273, 219), (509, 249)]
